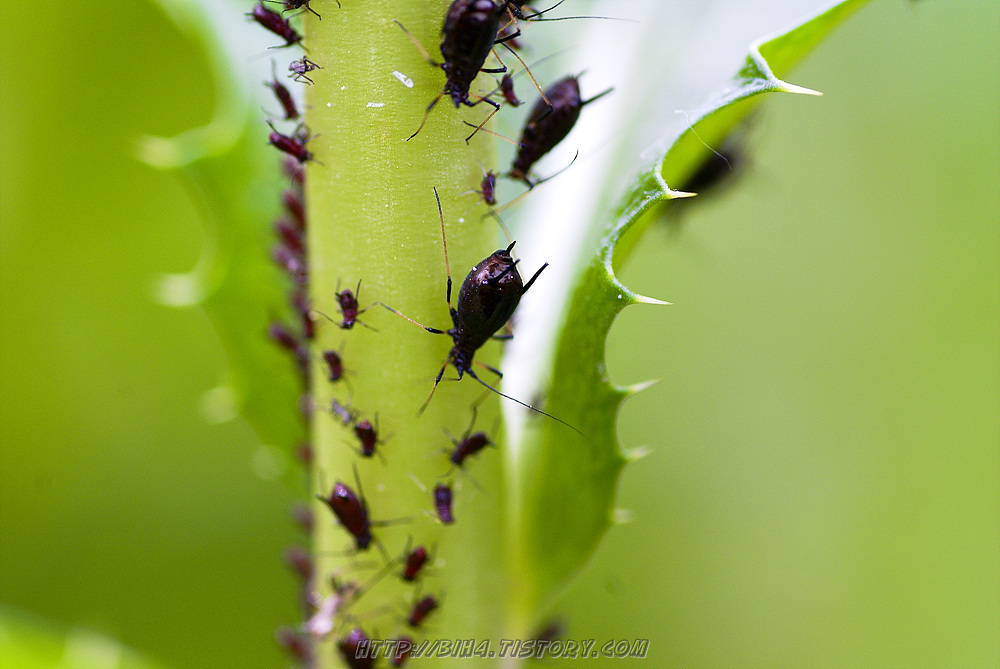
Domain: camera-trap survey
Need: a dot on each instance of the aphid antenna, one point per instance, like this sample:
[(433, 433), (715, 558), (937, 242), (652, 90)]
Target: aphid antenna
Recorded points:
[(479, 127), (531, 17), (532, 186), (698, 137), (420, 47), (417, 482), (503, 226), (524, 404), (528, 72), (536, 63), (451, 470), (444, 242)]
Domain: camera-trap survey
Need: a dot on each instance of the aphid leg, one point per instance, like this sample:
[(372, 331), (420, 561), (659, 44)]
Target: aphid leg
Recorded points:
[(437, 380), (487, 367), (427, 113), (496, 108), (510, 36)]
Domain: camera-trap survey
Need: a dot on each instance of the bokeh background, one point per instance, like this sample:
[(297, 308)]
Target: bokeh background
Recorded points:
[(824, 486)]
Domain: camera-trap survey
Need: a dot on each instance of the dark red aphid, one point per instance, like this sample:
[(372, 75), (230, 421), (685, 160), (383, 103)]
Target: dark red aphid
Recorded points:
[(352, 512), (295, 643), (293, 145), (283, 337), (367, 435), (415, 561), (355, 649), (275, 23), (299, 69), (470, 30), (299, 561), (291, 236), (550, 121), (421, 610), (401, 651), (469, 444), (293, 170), (348, 303), (334, 365), (300, 301), (507, 90), (292, 262), (284, 96), (442, 502), (295, 205), (488, 188)]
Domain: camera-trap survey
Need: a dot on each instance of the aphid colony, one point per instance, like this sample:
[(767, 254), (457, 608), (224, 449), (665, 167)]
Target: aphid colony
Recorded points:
[(471, 32)]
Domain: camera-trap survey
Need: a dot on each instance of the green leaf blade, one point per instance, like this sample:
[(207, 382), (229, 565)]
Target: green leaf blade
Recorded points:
[(555, 476)]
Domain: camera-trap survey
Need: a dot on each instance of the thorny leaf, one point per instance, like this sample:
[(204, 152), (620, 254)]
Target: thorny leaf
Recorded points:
[(232, 174), (560, 485)]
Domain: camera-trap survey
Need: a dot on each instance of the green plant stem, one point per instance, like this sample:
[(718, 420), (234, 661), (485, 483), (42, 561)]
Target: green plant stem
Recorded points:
[(373, 218)]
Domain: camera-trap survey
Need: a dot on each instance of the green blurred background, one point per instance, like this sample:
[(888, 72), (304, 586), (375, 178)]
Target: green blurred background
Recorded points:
[(824, 488)]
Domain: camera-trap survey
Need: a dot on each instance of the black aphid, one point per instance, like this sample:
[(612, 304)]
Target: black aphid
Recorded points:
[(487, 299), (550, 121), (470, 31), (421, 610)]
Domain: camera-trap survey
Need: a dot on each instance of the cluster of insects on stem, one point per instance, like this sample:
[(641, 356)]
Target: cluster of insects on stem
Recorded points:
[(472, 32)]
